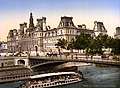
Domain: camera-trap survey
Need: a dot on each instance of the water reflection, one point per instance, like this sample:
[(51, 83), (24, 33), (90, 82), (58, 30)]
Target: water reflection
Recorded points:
[(98, 77)]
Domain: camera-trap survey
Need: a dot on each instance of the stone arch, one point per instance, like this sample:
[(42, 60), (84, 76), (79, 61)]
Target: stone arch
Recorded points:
[(21, 62)]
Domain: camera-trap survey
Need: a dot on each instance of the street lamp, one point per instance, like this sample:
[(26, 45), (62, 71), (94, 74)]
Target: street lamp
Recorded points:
[(36, 49), (20, 50)]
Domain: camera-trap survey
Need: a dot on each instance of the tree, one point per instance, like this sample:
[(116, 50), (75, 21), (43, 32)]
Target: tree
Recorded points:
[(96, 44), (116, 46), (82, 41), (71, 45), (62, 43), (92, 45)]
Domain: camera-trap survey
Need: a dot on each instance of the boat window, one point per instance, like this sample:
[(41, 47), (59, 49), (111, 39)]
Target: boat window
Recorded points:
[(7, 77), (2, 78)]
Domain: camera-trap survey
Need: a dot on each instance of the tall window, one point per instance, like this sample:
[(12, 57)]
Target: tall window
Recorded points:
[(70, 31), (67, 24), (56, 33), (61, 32)]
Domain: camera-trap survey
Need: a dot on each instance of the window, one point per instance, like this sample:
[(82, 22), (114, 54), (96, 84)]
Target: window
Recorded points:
[(45, 34), (73, 32), (48, 33), (56, 33), (52, 33), (70, 31), (61, 32), (62, 24), (67, 24)]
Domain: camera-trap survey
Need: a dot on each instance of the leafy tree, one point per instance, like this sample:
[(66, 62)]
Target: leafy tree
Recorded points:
[(62, 43), (82, 41), (71, 45), (95, 47), (116, 46), (90, 44), (105, 40)]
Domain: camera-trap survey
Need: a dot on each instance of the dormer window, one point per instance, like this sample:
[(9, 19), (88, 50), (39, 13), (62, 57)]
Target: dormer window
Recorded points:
[(48, 33), (56, 33), (52, 33), (67, 24)]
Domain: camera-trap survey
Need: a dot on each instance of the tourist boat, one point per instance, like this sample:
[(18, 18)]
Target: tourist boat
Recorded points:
[(53, 79)]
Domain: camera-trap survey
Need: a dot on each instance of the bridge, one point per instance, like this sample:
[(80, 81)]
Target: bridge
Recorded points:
[(42, 63), (34, 61), (104, 61)]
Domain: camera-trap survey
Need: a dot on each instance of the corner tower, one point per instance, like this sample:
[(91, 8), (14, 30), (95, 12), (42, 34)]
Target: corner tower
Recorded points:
[(117, 34), (99, 28)]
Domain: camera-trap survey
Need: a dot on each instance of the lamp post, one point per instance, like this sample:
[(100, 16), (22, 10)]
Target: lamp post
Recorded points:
[(36, 49), (59, 51), (20, 50)]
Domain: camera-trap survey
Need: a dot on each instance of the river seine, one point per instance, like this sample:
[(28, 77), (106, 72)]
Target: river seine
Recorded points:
[(95, 77)]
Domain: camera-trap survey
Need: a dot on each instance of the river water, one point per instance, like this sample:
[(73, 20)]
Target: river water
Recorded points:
[(95, 77)]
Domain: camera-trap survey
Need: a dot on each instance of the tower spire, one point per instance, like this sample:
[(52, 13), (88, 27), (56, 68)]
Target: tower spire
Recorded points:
[(31, 24)]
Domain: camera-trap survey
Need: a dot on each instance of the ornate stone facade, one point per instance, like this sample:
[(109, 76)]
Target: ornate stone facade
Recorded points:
[(42, 37)]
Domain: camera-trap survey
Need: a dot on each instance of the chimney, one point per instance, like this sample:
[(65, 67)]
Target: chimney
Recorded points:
[(11, 33), (14, 32), (21, 26), (83, 26), (44, 23), (80, 26), (25, 24)]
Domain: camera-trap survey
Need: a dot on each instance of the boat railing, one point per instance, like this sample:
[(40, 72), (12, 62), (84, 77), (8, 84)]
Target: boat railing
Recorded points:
[(43, 82)]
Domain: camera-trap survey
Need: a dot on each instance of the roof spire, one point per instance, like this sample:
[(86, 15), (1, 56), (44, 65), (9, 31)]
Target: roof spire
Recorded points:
[(31, 24)]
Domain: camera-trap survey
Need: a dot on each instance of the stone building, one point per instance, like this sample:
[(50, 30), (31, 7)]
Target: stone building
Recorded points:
[(117, 34), (3, 47), (40, 37)]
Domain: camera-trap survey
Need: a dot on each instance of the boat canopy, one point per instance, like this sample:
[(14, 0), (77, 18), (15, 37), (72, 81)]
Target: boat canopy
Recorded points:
[(51, 74)]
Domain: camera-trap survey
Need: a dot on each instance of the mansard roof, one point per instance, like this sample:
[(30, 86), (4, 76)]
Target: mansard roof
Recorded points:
[(66, 22), (99, 26)]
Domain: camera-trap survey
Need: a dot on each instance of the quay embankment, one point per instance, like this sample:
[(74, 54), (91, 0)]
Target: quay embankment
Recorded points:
[(14, 73)]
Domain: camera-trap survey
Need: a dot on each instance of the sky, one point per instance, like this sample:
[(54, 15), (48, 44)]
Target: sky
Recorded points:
[(14, 12)]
